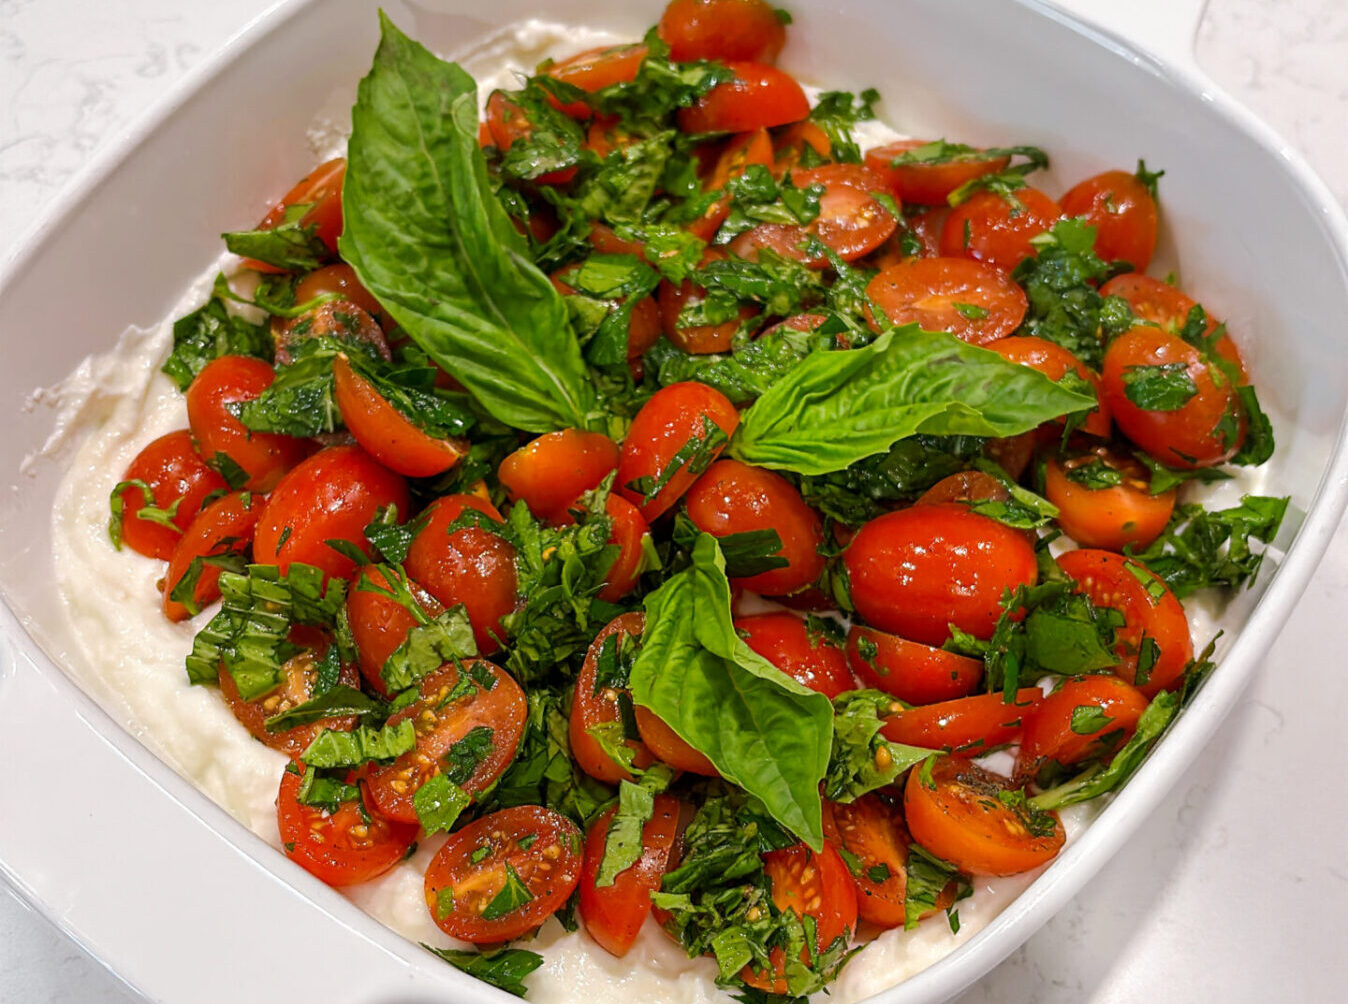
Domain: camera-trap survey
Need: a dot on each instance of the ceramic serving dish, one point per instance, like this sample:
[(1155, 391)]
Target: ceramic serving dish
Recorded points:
[(183, 902)]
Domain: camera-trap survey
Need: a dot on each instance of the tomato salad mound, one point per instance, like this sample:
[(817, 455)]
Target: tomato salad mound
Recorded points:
[(663, 510)]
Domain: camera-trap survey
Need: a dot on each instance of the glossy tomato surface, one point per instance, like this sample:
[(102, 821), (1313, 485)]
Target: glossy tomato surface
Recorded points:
[(760, 96), (386, 433), (1054, 361), (722, 29), (1124, 215), (1114, 516), (928, 181), (178, 481), (1087, 718), (911, 671), (342, 848), (968, 725), (225, 527), (976, 303), (549, 473), (997, 229), (803, 653), (613, 914), (595, 703), (380, 622)]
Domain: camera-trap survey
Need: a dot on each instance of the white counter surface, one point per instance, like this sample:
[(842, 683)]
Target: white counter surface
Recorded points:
[(1238, 889)]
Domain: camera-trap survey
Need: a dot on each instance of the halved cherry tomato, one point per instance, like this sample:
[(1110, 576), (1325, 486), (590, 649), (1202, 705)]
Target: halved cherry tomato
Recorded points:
[(595, 69), (973, 301), (965, 486), (454, 700), (299, 674), (644, 324), (604, 240), (1054, 361), (785, 239), (380, 623), (924, 227), (759, 96), (754, 147), (809, 885), (734, 497), (1088, 717), (179, 481), (223, 527), (333, 495), (550, 472), (676, 436), (806, 656), (912, 672), (1162, 304), (335, 319), (321, 190), (386, 433), (668, 746), (528, 845), (993, 228), (1154, 644), (592, 704), (472, 566), (1112, 517), (698, 339), (929, 183), (1207, 428), (264, 456), (956, 812), (628, 534), (851, 220), (614, 914), (722, 29), (1123, 213), (341, 848), (788, 148), (968, 725), (508, 122), (917, 571)]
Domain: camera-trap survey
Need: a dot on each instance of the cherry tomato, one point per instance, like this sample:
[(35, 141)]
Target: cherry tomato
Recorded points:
[(1123, 213), (629, 533), (335, 319), (968, 725), (917, 571), (179, 481), (851, 220), (668, 746), (734, 497), (341, 848), (607, 134), (805, 655), (644, 325), (549, 473), (785, 239), (342, 280), (595, 69), (930, 183), (299, 674), (223, 527), (992, 228), (333, 495), (1088, 717), (809, 885), (957, 814), (759, 96), (508, 122), (526, 845), (454, 700), (916, 673), (592, 704), (722, 29), (379, 623), (1013, 453), (1206, 429), (753, 147), (614, 914), (1162, 304), (1113, 517), (386, 433), (788, 148), (472, 567), (321, 190), (973, 301), (1154, 644), (965, 486), (688, 417), (1054, 361), (604, 240), (698, 339)]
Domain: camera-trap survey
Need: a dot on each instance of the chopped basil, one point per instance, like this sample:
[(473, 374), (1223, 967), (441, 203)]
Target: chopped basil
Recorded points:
[(1165, 387), (438, 803), (513, 895), (503, 968)]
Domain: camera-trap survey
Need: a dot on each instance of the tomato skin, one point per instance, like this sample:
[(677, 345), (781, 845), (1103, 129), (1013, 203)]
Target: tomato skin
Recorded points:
[(223, 527), (722, 29), (759, 97), (629, 532), (1123, 213), (971, 725), (916, 571), (1054, 361), (752, 147), (1049, 734), (379, 623), (1108, 518), (323, 188), (961, 819), (1165, 306), (1189, 436), (912, 672), (927, 184), (851, 220), (300, 673), (927, 291), (473, 567), (613, 915), (331, 496), (1112, 580), (173, 471), (589, 709), (698, 339), (342, 280), (549, 473), (994, 233), (385, 433), (668, 746), (503, 709), (595, 69), (734, 497), (549, 866), (809, 658), (343, 848), (671, 418)]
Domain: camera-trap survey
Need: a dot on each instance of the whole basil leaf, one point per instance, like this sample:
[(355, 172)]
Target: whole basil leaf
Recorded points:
[(834, 408), (428, 238)]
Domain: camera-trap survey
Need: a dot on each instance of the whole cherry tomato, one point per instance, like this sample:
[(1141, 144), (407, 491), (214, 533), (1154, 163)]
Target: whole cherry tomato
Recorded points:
[(997, 228), (1123, 212), (549, 473), (722, 29), (803, 654), (178, 481)]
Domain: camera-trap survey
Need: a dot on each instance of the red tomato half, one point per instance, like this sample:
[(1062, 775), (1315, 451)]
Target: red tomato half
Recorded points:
[(753, 147), (722, 29), (223, 527), (179, 481), (629, 534), (928, 184), (595, 69), (851, 220), (379, 623), (806, 656), (973, 301), (593, 705), (968, 725), (1162, 304), (1088, 717), (549, 473), (341, 848), (333, 495), (535, 849), (1113, 518), (1054, 361), (912, 672), (299, 674), (386, 433), (760, 96), (1123, 213), (992, 228), (321, 189), (614, 914)]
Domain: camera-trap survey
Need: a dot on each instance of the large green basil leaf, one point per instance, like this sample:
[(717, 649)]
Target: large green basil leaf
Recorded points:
[(835, 408), (763, 731), (432, 243)]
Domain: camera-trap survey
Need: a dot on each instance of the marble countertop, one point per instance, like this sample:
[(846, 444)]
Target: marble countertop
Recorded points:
[(1238, 888)]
